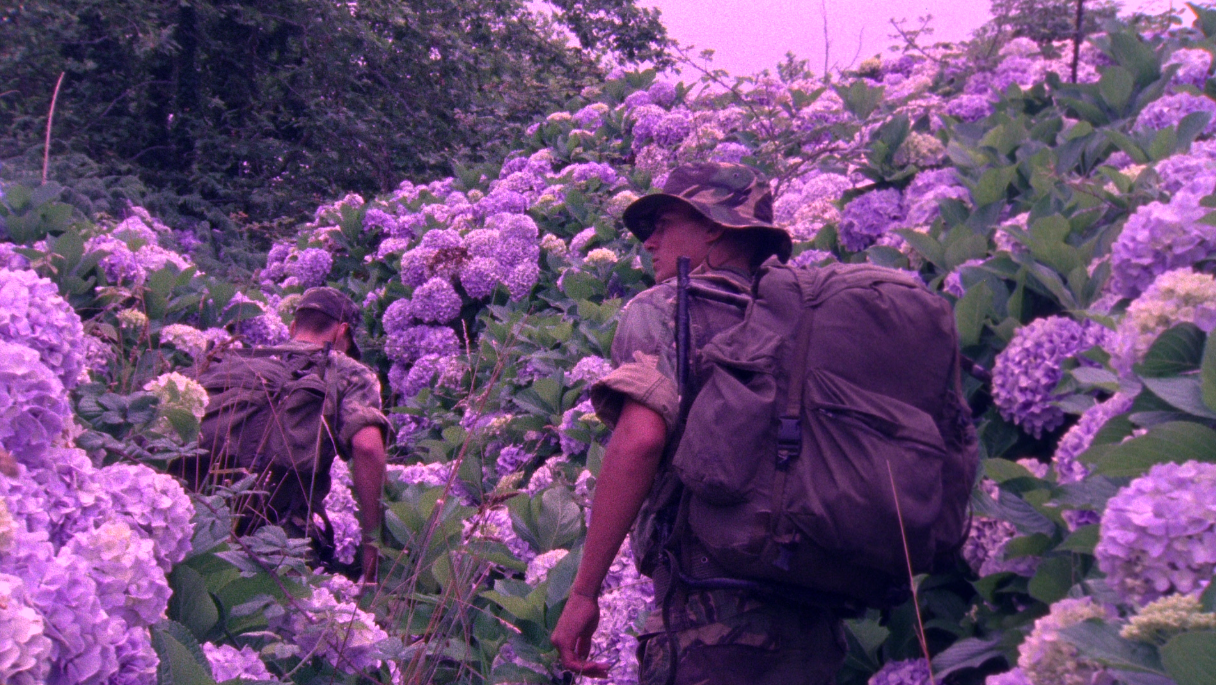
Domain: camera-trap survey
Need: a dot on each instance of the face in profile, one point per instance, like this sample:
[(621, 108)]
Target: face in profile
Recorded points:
[(678, 232)]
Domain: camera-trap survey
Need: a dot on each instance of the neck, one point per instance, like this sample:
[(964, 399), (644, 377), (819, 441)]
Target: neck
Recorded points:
[(312, 338)]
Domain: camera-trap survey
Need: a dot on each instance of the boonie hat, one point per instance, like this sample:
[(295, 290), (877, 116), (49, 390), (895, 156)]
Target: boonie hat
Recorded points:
[(337, 306), (733, 196)]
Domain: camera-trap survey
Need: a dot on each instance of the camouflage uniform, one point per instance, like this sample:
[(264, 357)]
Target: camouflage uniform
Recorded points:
[(722, 636)]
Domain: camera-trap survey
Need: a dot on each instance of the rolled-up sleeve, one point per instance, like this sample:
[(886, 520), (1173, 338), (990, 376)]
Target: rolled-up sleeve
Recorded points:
[(643, 354), (360, 406)]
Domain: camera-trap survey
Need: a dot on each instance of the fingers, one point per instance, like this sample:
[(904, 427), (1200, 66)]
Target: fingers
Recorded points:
[(574, 658)]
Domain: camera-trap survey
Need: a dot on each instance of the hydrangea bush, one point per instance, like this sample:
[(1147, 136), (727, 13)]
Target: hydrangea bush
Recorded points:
[(1067, 223)]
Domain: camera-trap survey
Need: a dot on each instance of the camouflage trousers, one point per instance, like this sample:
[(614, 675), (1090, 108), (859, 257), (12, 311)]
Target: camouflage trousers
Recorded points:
[(728, 637)]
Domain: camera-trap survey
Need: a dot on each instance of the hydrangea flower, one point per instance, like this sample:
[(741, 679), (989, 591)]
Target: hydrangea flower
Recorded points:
[(501, 201), (672, 129), (343, 513), (12, 260), (311, 267), (1026, 372), (57, 498), (953, 282), (1174, 297), (229, 663), (1194, 172), (1166, 617), (582, 411), (868, 217), (1079, 438), (591, 116), (809, 258), (407, 345), (1158, 533), (984, 550), (926, 190), (34, 315), (338, 631), (264, 329), (968, 107), (130, 584), (34, 408), (510, 459), (1193, 66), (435, 301), (521, 280), (1015, 677), (538, 568), (185, 338), (8, 527), (137, 660), (581, 173), (25, 650), (176, 391), (637, 99), (626, 595), (432, 370), (589, 369), (1046, 658), (1159, 237), (600, 256), (153, 503), (1170, 109), (662, 93), (120, 265), (908, 672), (479, 276)]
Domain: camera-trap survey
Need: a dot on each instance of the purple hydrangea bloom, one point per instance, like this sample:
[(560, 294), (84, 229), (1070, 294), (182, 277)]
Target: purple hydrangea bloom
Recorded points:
[(637, 99), (378, 218), (311, 267), (137, 660), (514, 164), (266, 329), (435, 301), (570, 419), (1193, 66), (1158, 534), (953, 283), (672, 129), (415, 266), (120, 265), (130, 584), (34, 407), (279, 252), (229, 663), (440, 239), (396, 316), (588, 170), (1078, 438), (342, 512), (1018, 69), (589, 370), (512, 226), (809, 258), (501, 201), (1195, 172), (969, 107), (662, 93), (338, 631), (432, 370), (11, 259), (1157, 238), (645, 119), (984, 550), (408, 345), (926, 189), (729, 152), (482, 242), (868, 217), (511, 459), (23, 641), (1026, 372), (1015, 677), (407, 226), (154, 504), (34, 315), (479, 276), (591, 116), (1170, 109), (521, 279), (909, 672)]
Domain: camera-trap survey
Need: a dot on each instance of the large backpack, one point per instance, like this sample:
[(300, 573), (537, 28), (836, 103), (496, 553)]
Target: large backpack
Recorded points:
[(265, 416), (829, 447)]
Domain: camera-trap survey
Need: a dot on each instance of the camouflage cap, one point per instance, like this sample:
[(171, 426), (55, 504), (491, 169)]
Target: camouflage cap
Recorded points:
[(733, 196), (337, 306)]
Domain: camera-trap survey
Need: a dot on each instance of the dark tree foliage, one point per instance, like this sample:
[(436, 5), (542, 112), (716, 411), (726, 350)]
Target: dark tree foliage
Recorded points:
[(263, 108), (1047, 21)]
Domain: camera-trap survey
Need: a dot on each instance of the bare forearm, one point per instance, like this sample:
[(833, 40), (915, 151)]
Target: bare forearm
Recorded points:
[(367, 474), (630, 463)]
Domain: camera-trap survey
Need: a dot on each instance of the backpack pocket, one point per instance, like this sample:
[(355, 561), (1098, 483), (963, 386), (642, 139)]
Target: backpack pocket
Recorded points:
[(300, 438), (732, 424), (869, 463)]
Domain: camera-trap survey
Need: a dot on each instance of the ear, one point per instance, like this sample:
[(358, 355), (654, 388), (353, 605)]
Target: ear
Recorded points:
[(291, 330), (341, 331), (714, 233)]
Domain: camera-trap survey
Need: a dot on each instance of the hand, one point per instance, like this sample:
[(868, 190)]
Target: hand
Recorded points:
[(573, 634), (371, 559)]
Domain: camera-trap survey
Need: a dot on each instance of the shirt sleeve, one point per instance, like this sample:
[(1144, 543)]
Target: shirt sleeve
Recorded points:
[(643, 354), (359, 405)]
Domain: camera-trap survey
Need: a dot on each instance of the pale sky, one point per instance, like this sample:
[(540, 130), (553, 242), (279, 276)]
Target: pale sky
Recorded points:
[(750, 35)]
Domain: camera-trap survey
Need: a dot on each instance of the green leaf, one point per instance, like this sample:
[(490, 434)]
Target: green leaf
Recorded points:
[(582, 286), (971, 246), (970, 652), (1001, 470), (1101, 642), (859, 98), (1176, 441), (182, 662), (992, 184), (924, 243), (1178, 350), (1052, 580), (1137, 57), (1082, 540), (1116, 87), (1208, 598), (971, 312), (1205, 19), (191, 604), (1164, 144), (1183, 393), (1190, 658), (1207, 373), (1027, 546)]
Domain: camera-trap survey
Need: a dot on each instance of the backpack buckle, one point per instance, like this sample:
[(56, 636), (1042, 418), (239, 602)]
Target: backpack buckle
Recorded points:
[(789, 440)]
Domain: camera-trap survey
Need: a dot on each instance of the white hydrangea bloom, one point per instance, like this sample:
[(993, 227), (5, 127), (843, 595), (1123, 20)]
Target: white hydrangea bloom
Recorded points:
[(1166, 617), (538, 568), (1046, 658), (179, 392), (188, 339)]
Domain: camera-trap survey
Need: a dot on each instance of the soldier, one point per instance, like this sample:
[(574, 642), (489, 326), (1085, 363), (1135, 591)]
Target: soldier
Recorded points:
[(719, 216), (324, 402)]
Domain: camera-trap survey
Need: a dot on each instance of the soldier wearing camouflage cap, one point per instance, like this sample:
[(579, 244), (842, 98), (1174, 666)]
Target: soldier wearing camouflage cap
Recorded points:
[(719, 216)]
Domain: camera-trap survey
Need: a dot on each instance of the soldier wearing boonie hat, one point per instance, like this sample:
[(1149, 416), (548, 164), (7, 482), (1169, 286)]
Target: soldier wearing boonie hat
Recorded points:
[(337, 306), (720, 216)]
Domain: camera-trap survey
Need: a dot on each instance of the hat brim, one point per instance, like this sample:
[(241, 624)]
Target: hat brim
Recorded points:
[(639, 218)]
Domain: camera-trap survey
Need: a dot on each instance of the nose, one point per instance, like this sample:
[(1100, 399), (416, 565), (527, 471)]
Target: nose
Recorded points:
[(651, 243)]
